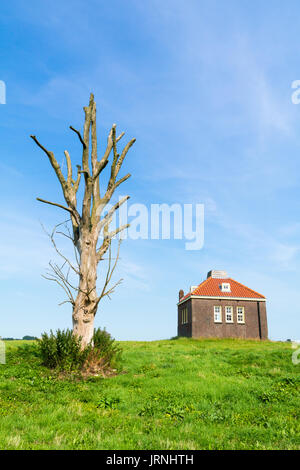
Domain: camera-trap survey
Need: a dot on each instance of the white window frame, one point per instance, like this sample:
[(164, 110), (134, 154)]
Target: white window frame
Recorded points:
[(225, 287), (219, 313), (231, 313), (237, 315)]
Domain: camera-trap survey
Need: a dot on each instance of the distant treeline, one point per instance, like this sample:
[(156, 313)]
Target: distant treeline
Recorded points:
[(18, 339)]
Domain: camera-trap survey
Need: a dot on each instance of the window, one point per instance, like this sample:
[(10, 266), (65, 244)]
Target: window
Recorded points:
[(229, 314), (225, 287), (184, 316), (240, 312), (218, 314)]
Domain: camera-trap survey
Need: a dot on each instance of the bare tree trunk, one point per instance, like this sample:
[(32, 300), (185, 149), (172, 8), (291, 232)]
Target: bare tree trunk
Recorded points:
[(86, 302), (83, 327), (89, 224)]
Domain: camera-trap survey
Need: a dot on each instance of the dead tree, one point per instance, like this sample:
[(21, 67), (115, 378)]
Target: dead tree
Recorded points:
[(88, 223)]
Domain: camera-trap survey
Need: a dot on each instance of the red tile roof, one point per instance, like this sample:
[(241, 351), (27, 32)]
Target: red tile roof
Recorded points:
[(211, 288)]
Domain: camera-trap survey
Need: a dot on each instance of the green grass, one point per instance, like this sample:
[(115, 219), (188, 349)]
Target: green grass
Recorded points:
[(175, 394)]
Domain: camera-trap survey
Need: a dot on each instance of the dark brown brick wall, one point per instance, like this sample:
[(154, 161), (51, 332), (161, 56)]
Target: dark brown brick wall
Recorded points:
[(201, 319), (263, 319), (185, 330)]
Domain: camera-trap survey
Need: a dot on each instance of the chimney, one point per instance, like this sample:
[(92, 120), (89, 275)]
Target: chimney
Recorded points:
[(217, 274), (181, 294)]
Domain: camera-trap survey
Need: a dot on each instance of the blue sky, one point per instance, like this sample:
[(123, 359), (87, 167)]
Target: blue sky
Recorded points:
[(205, 87)]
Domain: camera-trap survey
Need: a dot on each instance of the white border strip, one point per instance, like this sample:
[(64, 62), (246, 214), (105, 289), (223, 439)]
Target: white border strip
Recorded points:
[(220, 298)]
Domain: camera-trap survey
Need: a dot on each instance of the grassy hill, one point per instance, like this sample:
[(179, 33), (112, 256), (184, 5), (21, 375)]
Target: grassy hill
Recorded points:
[(175, 394)]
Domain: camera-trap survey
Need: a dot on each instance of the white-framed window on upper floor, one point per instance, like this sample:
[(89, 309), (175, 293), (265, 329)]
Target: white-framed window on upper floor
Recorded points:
[(184, 316), (229, 314), (240, 314), (217, 314)]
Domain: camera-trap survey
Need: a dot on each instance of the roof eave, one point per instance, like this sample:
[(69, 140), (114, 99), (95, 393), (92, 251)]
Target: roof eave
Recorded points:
[(256, 299)]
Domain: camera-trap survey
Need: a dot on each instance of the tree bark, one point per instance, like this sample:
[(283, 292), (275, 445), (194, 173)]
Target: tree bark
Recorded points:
[(86, 302)]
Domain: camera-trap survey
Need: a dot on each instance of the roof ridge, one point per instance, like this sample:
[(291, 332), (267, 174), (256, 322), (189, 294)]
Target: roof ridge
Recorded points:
[(243, 285)]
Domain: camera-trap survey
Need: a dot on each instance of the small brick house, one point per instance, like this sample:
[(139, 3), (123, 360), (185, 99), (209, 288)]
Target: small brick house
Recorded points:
[(222, 307)]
